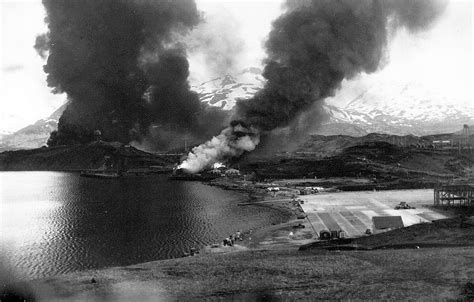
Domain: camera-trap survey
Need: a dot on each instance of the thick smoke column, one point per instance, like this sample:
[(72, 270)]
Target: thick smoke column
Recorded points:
[(314, 45), (122, 68), (231, 142), (216, 45)]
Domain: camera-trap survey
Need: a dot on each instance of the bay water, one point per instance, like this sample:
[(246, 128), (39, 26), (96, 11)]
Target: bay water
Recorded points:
[(57, 222)]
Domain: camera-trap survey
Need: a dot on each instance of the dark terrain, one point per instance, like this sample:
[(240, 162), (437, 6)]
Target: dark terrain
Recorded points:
[(81, 157), (431, 261), (390, 161), (385, 163)]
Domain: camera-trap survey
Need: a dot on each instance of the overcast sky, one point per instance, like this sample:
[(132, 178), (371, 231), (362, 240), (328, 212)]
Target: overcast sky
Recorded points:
[(438, 61)]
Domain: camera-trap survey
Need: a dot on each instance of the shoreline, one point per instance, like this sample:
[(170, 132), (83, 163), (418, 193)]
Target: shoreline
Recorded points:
[(264, 237), (215, 226), (253, 237), (285, 271), (316, 272)]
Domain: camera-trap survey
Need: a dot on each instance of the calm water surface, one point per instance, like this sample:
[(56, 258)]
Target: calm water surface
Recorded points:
[(53, 222)]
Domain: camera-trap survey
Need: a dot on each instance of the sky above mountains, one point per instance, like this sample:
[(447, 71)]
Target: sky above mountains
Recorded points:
[(438, 60)]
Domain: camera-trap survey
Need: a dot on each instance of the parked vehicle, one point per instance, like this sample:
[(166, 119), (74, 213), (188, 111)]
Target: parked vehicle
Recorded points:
[(299, 226), (403, 206)]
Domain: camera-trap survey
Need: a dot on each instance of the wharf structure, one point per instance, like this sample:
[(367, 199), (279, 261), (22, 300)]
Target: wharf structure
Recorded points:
[(454, 195)]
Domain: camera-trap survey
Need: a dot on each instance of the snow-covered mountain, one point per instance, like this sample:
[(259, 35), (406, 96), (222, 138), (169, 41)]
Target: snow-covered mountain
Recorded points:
[(408, 109), (409, 112), (223, 92), (32, 136)]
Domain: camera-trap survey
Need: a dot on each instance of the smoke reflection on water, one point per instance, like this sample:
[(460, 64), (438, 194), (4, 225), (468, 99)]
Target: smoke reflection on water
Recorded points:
[(53, 223)]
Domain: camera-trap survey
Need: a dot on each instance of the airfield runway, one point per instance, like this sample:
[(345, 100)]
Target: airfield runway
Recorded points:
[(352, 212)]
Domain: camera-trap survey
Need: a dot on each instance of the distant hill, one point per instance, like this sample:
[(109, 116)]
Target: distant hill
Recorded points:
[(393, 166), (335, 144), (375, 155), (32, 136), (79, 157)]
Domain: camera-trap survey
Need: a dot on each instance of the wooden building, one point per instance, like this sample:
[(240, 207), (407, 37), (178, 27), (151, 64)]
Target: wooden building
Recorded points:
[(454, 195)]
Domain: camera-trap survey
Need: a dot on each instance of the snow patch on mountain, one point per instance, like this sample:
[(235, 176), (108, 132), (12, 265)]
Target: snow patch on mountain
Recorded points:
[(407, 109), (386, 107), (32, 136), (393, 108), (223, 92)]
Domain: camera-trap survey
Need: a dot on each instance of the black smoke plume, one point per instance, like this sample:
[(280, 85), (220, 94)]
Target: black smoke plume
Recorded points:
[(121, 68), (315, 45)]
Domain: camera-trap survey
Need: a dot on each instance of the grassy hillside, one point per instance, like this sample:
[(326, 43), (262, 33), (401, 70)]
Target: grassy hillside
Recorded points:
[(380, 160), (78, 157), (375, 156), (334, 144), (421, 273)]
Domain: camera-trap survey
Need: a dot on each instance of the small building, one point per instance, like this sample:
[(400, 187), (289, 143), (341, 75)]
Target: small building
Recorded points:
[(442, 144), (386, 223), (232, 172), (304, 192), (215, 171)]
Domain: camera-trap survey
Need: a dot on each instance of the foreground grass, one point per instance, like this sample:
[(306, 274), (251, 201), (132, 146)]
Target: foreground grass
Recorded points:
[(410, 274), (444, 270)]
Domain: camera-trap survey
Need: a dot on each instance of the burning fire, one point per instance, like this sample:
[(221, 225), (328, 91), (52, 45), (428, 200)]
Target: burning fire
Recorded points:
[(231, 142), (311, 49), (218, 165)]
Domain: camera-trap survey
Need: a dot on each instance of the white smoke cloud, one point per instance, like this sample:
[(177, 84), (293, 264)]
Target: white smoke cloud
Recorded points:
[(229, 143)]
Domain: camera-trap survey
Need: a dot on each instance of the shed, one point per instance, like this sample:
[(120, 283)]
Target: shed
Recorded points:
[(387, 222), (233, 172), (324, 235), (215, 171)]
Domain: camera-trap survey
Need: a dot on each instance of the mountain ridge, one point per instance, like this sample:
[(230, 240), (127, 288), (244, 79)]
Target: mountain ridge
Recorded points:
[(32, 136), (413, 110), (408, 109)]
